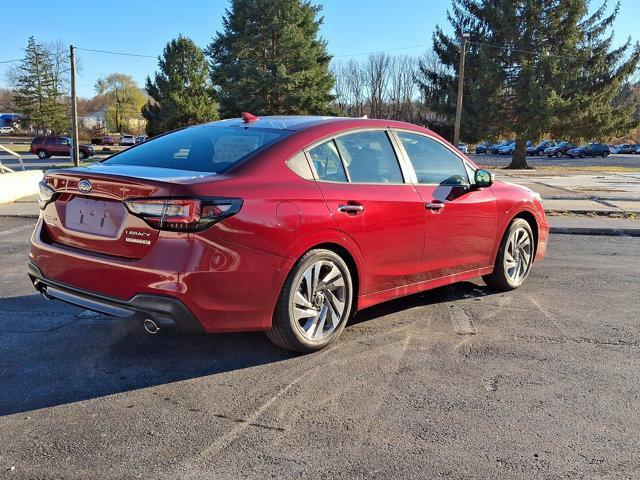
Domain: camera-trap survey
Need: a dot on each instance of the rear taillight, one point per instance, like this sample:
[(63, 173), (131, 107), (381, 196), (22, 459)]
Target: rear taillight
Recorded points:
[(46, 194), (183, 214)]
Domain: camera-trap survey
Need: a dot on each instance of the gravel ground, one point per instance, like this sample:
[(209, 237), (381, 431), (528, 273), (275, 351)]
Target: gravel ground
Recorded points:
[(541, 382)]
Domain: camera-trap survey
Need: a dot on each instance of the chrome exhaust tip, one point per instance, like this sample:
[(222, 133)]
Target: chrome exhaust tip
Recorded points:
[(44, 293), (150, 326)]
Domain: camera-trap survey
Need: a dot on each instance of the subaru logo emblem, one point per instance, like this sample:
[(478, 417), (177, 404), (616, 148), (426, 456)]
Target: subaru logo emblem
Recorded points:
[(84, 186)]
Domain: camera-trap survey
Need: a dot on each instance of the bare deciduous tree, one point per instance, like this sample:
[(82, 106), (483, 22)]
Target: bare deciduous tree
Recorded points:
[(402, 89), (377, 70), (384, 86)]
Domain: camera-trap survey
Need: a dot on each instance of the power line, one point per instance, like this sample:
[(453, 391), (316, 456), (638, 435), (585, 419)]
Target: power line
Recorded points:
[(108, 52), (502, 47), (382, 51), (529, 52)]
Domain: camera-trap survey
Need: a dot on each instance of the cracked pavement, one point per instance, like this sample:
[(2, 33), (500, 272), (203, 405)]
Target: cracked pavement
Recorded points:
[(459, 382)]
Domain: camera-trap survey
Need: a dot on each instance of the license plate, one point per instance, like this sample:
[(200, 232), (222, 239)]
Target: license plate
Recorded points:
[(98, 217)]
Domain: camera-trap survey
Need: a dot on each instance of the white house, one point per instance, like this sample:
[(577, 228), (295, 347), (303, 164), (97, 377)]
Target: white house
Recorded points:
[(97, 118)]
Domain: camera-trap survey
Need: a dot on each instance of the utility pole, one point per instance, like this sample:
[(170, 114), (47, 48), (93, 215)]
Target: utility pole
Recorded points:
[(463, 47), (75, 151)]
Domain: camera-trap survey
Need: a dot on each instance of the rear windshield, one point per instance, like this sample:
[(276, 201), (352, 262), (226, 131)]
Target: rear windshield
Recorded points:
[(199, 149)]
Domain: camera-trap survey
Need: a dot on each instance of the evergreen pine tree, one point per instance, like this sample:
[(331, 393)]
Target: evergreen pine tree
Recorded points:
[(37, 98), (533, 68), (270, 60), (181, 91)]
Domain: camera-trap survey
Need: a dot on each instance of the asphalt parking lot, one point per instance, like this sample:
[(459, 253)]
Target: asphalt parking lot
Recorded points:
[(31, 161), (458, 383)]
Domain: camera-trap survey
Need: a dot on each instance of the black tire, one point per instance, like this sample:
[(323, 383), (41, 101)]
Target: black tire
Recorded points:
[(582, 154), (285, 331), (558, 154), (42, 154), (83, 155), (499, 280)]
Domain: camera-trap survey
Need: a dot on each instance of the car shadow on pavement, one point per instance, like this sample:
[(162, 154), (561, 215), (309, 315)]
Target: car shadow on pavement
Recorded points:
[(54, 354), (449, 293)]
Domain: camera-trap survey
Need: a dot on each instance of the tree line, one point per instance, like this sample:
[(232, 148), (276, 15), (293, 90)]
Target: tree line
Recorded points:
[(533, 69)]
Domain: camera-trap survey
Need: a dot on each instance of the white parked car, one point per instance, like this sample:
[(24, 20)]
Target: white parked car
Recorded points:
[(463, 147), (141, 138), (127, 140), (6, 130)]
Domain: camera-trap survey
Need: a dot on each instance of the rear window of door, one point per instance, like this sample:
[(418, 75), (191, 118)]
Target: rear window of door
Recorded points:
[(369, 157), (327, 163), (432, 161)]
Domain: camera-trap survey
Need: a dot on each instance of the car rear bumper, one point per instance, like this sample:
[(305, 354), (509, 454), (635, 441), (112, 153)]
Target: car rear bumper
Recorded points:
[(166, 312), (225, 287)]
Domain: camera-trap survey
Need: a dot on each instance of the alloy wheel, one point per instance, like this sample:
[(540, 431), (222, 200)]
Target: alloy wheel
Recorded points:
[(319, 300), (517, 255)]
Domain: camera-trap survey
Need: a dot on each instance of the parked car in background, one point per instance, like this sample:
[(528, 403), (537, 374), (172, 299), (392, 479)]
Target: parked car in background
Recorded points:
[(495, 148), (510, 148), (463, 147), (589, 150), (54, 146), (141, 138), (540, 148), (6, 130), (127, 140), (483, 147), (559, 150), (280, 224), (107, 140), (625, 148), (638, 149)]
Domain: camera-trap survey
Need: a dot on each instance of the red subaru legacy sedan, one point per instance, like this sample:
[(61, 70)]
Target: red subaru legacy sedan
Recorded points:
[(282, 224)]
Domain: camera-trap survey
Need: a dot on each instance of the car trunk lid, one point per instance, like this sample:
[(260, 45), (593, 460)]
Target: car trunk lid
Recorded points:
[(89, 212)]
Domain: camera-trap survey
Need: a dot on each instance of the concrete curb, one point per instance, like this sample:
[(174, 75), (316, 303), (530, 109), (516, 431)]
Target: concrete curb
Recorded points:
[(607, 232), (26, 215)]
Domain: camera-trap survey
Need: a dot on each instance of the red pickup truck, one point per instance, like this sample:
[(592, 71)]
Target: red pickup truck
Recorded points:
[(51, 146)]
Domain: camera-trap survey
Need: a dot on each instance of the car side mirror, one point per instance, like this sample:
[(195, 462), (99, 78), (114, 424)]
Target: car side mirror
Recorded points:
[(483, 178)]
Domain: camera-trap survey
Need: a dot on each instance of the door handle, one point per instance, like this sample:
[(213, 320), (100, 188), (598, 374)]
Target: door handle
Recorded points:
[(351, 208), (434, 205)]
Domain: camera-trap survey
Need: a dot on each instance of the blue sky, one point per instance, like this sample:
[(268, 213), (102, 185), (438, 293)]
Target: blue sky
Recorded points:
[(145, 26)]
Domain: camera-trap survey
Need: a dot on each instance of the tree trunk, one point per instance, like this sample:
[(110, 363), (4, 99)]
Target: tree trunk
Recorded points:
[(519, 159)]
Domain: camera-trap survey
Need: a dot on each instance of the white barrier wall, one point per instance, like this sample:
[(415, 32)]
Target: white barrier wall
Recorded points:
[(19, 184)]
